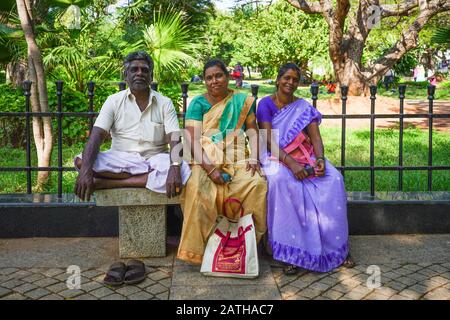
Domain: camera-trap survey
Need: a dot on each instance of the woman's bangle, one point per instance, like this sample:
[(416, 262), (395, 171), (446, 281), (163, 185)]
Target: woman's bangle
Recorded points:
[(320, 158), (209, 173), (284, 157)]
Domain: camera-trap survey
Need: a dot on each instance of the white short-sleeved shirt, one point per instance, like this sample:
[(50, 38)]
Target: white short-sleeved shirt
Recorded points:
[(135, 131)]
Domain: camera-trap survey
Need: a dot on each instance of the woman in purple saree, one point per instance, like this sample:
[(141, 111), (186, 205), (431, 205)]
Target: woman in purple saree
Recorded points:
[(306, 199)]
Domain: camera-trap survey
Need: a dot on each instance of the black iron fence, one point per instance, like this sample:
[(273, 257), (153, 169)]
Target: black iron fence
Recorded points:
[(59, 114)]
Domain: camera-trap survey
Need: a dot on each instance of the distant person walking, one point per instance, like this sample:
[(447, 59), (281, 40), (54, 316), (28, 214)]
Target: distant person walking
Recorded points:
[(238, 73)]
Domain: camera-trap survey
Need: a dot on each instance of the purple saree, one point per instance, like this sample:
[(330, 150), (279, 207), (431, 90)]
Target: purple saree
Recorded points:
[(307, 219)]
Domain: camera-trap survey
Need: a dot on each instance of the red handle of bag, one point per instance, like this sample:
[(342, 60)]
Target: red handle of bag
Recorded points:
[(233, 200)]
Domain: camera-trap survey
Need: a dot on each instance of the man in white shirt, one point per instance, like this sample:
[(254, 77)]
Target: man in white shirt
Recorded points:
[(142, 122)]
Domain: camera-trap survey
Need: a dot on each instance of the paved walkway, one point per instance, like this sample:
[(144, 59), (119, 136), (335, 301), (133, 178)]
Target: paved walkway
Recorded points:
[(388, 267)]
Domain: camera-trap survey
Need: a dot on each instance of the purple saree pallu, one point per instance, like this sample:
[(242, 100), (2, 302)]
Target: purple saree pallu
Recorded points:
[(307, 219)]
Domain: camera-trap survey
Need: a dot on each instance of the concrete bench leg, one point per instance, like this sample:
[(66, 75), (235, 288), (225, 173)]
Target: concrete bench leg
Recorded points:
[(142, 231)]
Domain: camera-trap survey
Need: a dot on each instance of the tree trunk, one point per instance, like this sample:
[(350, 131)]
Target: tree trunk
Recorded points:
[(348, 74), (39, 101), (16, 73)]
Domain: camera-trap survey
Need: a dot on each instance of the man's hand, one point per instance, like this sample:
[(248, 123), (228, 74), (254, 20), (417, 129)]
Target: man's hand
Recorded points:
[(173, 183), (84, 185)]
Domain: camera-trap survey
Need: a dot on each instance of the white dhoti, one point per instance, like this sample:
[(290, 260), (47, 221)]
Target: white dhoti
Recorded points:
[(134, 164)]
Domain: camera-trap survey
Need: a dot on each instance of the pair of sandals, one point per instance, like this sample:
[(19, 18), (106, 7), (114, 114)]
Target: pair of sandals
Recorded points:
[(119, 273)]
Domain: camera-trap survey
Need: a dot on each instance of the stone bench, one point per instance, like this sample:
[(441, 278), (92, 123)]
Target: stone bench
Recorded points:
[(142, 220)]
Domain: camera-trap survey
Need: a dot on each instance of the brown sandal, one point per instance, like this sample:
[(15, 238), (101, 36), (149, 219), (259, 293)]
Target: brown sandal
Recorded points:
[(135, 272), (290, 270), (115, 274), (348, 262)]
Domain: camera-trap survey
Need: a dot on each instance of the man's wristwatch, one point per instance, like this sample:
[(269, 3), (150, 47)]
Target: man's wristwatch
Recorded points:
[(177, 164)]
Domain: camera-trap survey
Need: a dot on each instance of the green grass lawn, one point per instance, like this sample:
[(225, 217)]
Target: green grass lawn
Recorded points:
[(418, 90), (357, 154)]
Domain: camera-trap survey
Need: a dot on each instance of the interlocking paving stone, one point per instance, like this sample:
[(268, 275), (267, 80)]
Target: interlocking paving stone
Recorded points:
[(376, 296), (438, 294), (166, 282), (332, 294), (398, 286), (156, 289), (163, 296), (297, 297), (284, 280), (8, 271), (309, 293), (158, 275), (20, 274), (46, 282), (354, 295), (428, 272), (406, 280), (341, 288), (25, 288), (321, 298), (430, 284), (142, 295), (439, 279), (385, 291), (438, 268), (57, 287), (418, 276), (53, 272), (62, 277), (419, 288), (289, 290), (37, 293), (70, 293), (91, 286), (91, 273), (85, 296), (128, 290), (413, 267), (14, 296), (114, 297), (33, 278), (12, 283), (102, 292), (329, 281), (4, 292), (52, 297), (146, 283), (319, 286), (410, 294), (399, 297), (350, 283)]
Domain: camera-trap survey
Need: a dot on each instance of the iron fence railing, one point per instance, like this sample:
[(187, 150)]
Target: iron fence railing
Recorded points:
[(59, 115)]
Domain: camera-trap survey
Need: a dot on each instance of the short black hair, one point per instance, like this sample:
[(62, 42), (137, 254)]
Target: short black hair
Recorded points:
[(138, 55), (216, 63), (288, 66)]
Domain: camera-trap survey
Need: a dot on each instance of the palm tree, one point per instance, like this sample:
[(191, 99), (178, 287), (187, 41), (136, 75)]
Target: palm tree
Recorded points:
[(169, 44)]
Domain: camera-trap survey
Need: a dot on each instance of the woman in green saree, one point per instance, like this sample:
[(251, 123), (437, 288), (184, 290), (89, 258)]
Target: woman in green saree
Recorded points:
[(215, 125)]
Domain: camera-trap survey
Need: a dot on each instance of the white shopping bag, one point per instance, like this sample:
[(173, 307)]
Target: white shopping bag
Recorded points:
[(231, 248)]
